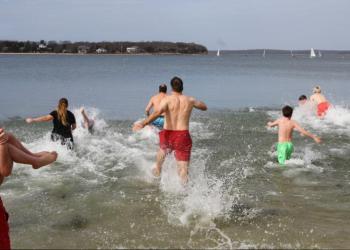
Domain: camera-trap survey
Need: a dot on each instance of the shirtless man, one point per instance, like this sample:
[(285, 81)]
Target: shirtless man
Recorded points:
[(154, 103), (286, 127), (12, 150), (321, 102), (175, 136)]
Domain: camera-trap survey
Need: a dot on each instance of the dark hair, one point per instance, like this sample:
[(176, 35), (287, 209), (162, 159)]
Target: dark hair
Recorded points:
[(162, 88), (287, 111), (302, 98), (176, 84)]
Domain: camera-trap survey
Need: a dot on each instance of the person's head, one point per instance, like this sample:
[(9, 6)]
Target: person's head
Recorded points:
[(162, 88), (287, 111), (177, 84), (62, 110), (302, 99), (317, 90)]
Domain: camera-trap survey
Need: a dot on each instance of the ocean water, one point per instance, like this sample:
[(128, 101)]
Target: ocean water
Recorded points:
[(103, 195)]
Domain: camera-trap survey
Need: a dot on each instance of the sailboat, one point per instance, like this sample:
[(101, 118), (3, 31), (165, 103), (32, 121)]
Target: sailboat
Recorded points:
[(319, 54), (291, 53), (312, 53), (264, 54), (218, 53)]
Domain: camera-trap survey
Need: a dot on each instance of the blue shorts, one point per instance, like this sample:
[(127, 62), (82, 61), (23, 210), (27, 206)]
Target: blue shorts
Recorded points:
[(159, 122)]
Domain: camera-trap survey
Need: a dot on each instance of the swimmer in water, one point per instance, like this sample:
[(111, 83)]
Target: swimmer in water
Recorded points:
[(63, 123), (286, 126), (154, 103), (12, 150), (175, 136), (302, 100), (320, 100), (88, 123)]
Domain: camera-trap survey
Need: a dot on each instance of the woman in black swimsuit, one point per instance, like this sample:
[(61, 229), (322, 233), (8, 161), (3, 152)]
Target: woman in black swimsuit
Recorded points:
[(63, 123)]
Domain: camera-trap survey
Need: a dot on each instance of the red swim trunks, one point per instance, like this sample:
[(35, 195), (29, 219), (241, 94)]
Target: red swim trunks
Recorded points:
[(178, 141), (4, 228), (322, 108)]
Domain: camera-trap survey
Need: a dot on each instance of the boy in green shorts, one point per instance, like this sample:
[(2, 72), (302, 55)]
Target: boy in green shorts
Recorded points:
[(286, 127)]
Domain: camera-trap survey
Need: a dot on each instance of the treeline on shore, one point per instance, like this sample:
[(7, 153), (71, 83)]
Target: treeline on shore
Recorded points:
[(101, 47)]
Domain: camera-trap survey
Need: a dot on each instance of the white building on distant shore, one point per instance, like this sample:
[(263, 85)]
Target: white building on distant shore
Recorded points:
[(101, 51), (133, 49)]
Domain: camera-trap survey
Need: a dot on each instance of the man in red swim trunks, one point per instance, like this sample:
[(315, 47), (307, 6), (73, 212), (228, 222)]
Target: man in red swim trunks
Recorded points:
[(12, 150), (321, 102), (177, 109)]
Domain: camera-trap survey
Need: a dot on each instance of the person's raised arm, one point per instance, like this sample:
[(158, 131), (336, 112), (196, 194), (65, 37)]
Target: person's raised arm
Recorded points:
[(273, 124), (163, 107), (199, 105), (149, 106), (45, 118), (306, 133)]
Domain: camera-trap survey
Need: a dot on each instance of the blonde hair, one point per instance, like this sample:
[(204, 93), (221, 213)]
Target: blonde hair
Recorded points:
[(317, 90), (62, 111)]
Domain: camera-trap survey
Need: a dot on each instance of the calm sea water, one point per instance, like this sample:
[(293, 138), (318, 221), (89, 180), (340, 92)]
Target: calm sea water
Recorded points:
[(102, 195)]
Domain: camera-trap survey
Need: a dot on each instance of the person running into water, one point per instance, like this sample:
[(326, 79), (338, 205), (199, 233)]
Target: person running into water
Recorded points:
[(286, 126), (321, 102), (154, 103), (12, 150), (177, 109), (63, 123), (302, 100), (88, 123)]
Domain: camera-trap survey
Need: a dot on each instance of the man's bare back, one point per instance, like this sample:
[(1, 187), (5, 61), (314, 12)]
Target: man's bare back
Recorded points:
[(318, 98)]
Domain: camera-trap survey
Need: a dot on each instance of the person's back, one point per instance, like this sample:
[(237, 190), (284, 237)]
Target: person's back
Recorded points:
[(154, 103), (157, 99), (177, 116), (320, 100), (285, 129)]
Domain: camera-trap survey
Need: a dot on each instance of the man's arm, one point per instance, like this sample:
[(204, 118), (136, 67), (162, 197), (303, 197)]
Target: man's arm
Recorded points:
[(199, 105), (44, 118), (163, 107), (273, 124), (149, 106), (306, 133)]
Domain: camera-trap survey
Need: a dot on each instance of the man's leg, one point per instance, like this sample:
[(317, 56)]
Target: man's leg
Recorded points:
[(22, 157), (15, 142), (182, 170), (160, 160)]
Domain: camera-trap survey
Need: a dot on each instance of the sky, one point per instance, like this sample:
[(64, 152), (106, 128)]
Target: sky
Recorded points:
[(217, 24)]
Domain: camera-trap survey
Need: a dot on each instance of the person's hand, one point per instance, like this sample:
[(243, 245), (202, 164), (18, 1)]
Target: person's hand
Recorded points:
[(29, 120), (317, 139), (137, 126)]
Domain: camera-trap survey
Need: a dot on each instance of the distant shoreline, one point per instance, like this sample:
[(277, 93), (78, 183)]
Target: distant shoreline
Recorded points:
[(104, 54)]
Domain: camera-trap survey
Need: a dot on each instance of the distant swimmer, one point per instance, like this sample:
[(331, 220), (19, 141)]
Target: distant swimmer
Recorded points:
[(12, 150), (321, 101), (286, 126), (175, 137), (88, 122), (154, 103), (302, 100), (63, 123)]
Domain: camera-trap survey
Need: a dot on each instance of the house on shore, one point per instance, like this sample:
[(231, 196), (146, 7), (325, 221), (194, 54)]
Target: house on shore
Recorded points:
[(101, 51), (133, 49), (83, 49)]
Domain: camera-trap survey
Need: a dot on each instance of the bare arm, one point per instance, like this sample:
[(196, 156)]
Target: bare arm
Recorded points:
[(273, 124), (149, 106), (45, 118), (306, 133), (199, 105)]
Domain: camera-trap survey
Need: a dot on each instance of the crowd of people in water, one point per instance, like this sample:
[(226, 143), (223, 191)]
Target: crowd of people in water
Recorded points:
[(170, 115)]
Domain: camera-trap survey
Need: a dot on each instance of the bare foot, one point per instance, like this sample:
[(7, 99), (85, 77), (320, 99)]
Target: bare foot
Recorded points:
[(45, 159), (156, 172)]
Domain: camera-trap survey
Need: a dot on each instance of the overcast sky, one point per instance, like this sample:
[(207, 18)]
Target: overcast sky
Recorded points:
[(225, 24)]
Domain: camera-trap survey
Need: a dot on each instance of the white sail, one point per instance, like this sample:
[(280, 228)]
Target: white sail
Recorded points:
[(312, 53), (291, 53), (319, 54), (218, 53), (264, 54)]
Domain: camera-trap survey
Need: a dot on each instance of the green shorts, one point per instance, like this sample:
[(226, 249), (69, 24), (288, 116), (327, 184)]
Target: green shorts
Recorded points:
[(284, 151)]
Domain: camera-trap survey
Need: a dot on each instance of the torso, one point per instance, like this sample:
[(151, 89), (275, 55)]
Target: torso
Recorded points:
[(156, 100), (285, 130), (178, 113), (59, 128), (318, 98)]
